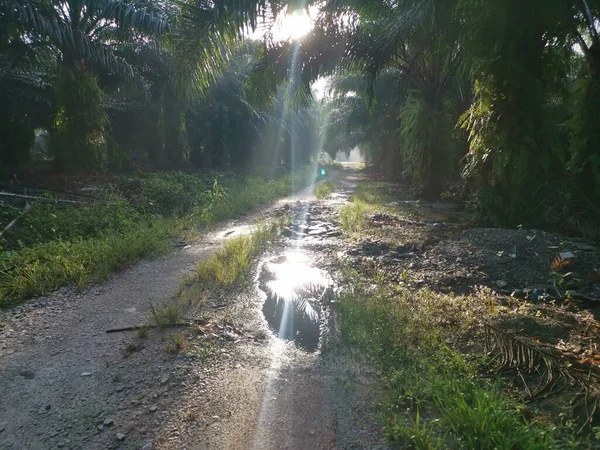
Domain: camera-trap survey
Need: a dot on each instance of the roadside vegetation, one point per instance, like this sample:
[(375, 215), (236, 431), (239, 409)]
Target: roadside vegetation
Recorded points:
[(57, 244), (232, 264), (435, 398), (444, 385), (324, 190)]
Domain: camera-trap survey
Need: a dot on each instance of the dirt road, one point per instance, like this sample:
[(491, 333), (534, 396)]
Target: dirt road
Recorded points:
[(66, 383)]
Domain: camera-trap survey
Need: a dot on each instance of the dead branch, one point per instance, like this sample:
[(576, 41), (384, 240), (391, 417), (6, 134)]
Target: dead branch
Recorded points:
[(32, 197), (189, 323), (27, 208), (145, 327)]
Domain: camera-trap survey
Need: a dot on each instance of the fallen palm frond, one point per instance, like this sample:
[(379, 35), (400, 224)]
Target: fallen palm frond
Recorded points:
[(517, 353), (554, 370)]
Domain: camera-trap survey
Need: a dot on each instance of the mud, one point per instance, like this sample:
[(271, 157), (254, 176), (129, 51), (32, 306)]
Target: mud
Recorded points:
[(231, 384)]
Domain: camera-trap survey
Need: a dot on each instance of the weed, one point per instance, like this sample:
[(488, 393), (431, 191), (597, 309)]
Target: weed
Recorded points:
[(406, 333), (53, 246), (404, 275), (132, 348), (228, 317), (208, 347), (143, 333), (44, 268), (232, 263), (416, 434), (167, 314), (177, 343), (191, 416), (354, 217), (324, 190)]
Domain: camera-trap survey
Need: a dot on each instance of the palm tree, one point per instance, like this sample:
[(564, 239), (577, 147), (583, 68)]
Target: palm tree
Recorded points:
[(85, 36), (25, 92), (412, 42)]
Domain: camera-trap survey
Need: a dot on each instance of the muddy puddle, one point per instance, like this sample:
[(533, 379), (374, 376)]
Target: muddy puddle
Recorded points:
[(294, 290)]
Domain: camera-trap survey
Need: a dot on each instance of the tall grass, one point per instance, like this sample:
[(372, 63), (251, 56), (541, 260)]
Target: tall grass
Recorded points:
[(405, 334), (324, 190), (233, 262), (44, 268), (83, 245)]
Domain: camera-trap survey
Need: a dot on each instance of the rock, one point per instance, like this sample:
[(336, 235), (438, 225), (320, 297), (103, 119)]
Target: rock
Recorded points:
[(153, 408), (1, 428), (148, 446), (100, 427), (535, 294), (121, 436), (566, 255), (27, 374), (501, 283), (164, 379), (86, 374), (518, 293), (108, 422)]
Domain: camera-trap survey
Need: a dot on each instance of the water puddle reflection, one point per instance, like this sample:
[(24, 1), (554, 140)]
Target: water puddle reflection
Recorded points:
[(294, 289)]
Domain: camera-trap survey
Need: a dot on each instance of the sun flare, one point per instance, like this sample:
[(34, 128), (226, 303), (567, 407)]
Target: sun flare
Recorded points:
[(294, 26)]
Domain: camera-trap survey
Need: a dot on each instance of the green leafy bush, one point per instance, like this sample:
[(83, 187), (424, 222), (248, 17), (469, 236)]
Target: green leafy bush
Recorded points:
[(49, 221), (59, 244)]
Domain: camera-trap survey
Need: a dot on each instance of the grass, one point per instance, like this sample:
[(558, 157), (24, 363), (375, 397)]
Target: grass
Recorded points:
[(177, 343), (132, 348), (405, 334), (136, 218), (143, 333), (46, 267), (324, 190), (354, 216), (427, 347), (231, 265), (167, 314)]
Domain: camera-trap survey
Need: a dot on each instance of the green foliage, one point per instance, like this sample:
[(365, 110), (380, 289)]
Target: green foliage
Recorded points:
[(585, 134), (324, 190), (170, 193), (52, 246), (79, 135), (232, 263), (48, 221), (44, 268), (426, 140), (16, 140), (404, 336)]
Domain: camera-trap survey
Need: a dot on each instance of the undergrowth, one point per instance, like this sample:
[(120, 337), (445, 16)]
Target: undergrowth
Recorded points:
[(427, 347), (233, 262), (434, 397), (324, 190), (58, 244)]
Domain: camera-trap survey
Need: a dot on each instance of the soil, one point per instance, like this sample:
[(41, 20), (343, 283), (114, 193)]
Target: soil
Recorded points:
[(238, 381), (546, 287), (233, 384)]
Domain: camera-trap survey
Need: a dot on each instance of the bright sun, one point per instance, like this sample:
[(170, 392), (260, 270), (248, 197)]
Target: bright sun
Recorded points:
[(293, 26)]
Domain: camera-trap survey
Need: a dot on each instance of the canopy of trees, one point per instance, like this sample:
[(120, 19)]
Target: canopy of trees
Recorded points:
[(499, 99), (120, 84)]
